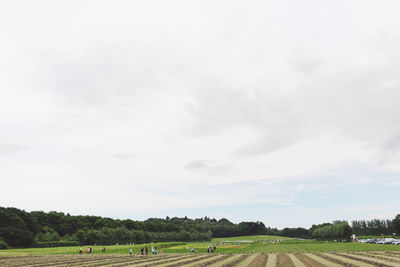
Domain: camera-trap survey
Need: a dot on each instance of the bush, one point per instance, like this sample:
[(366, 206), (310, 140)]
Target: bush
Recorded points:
[(3, 244), (48, 244)]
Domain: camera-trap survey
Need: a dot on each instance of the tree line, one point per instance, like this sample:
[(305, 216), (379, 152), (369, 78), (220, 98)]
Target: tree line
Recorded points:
[(373, 227), (19, 228), (335, 230)]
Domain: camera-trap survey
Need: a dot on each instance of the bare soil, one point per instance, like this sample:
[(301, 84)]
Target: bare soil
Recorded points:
[(283, 260), (307, 261), (260, 260), (343, 263), (362, 259)]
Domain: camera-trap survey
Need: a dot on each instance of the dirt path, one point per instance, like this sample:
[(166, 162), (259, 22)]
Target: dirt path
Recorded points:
[(249, 259), (225, 261), (259, 261), (126, 260), (337, 260), (375, 262), (295, 260), (307, 261), (322, 260), (271, 260), (189, 261), (210, 260), (152, 263), (378, 256), (347, 260), (236, 262), (283, 260)]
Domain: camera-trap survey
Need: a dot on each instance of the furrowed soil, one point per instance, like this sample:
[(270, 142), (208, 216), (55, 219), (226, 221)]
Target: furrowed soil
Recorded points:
[(307, 261), (249, 259), (316, 259), (381, 255), (339, 261), (375, 262), (296, 261), (260, 260), (322, 260), (227, 260), (283, 260)]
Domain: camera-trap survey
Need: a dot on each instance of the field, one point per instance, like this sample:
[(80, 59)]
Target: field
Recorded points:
[(251, 238), (317, 259), (265, 252)]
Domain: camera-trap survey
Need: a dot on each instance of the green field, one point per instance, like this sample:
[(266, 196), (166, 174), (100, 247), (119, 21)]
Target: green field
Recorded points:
[(266, 251), (285, 246), (120, 249), (264, 244), (251, 238)]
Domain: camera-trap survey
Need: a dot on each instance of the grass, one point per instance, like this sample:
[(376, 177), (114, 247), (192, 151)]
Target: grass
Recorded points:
[(120, 249), (289, 246), (250, 238), (264, 245)]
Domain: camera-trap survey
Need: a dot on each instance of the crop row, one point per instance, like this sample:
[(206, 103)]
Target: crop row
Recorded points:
[(318, 259), (284, 247)]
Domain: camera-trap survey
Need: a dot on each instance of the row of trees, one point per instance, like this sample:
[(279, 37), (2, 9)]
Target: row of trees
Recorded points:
[(373, 227), (19, 228), (335, 230), (108, 236)]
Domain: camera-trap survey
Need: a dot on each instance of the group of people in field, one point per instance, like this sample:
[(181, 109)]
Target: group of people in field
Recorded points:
[(145, 251), (89, 250)]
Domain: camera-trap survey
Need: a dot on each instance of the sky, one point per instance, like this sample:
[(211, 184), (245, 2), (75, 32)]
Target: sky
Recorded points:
[(285, 112)]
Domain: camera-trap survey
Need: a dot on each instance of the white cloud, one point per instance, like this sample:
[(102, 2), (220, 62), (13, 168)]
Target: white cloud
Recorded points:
[(193, 96)]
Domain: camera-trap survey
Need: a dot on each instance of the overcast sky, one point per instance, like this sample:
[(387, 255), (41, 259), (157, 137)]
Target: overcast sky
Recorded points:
[(287, 112)]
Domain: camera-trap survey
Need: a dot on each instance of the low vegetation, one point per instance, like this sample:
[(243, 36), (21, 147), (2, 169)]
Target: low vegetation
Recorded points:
[(19, 228)]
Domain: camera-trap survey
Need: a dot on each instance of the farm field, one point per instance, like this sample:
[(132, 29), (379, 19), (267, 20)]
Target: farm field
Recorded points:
[(260, 247), (264, 252), (288, 246), (251, 238), (318, 259)]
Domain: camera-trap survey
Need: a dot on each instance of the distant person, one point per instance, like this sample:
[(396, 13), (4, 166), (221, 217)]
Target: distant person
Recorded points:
[(103, 249), (215, 247), (130, 251), (147, 250), (80, 251), (142, 251)]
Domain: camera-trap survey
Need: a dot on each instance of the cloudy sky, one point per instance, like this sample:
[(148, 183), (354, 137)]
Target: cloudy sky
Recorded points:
[(285, 112)]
